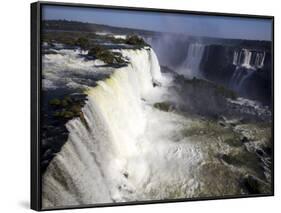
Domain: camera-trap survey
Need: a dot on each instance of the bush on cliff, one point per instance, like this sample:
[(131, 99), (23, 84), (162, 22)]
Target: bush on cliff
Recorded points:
[(105, 55), (66, 108), (135, 40), (163, 106), (55, 102), (82, 42)]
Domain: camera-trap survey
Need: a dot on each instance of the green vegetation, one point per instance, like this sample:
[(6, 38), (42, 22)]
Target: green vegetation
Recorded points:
[(64, 114), (89, 41), (135, 40), (212, 128), (55, 102), (66, 108), (95, 50), (83, 43), (225, 92), (243, 159), (59, 38), (163, 106), (105, 55), (218, 89)]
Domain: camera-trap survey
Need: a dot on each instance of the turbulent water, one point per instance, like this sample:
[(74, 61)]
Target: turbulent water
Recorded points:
[(125, 149)]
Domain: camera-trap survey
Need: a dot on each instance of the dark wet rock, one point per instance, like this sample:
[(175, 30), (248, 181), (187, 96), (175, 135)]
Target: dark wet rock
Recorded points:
[(44, 165), (156, 83), (163, 106), (244, 159), (230, 159), (217, 65), (244, 139), (57, 111), (49, 52), (267, 150), (126, 175), (251, 184), (48, 154), (260, 153), (221, 123), (233, 141), (202, 97)]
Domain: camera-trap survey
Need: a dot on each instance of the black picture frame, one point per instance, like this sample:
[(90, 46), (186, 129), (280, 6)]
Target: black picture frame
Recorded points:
[(36, 67)]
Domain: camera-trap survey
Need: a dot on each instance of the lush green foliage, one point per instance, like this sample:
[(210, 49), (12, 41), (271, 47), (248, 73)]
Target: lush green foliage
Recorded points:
[(66, 108), (135, 40), (105, 55), (82, 42)]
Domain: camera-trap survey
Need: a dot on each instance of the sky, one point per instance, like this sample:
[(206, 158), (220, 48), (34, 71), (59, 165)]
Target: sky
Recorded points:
[(190, 24)]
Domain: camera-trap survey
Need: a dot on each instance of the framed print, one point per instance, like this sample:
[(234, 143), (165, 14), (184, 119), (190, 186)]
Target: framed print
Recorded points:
[(137, 105)]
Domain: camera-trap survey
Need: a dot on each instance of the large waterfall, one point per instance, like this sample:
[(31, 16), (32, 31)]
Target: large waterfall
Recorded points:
[(102, 159)]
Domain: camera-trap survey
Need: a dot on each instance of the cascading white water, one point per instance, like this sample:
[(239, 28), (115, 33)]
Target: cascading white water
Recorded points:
[(259, 59), (248, 58), (235, 58), (246, 62), (191, 65), (92, 163)]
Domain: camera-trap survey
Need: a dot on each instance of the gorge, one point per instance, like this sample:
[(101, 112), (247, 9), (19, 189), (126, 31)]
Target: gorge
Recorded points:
[(241, 65)]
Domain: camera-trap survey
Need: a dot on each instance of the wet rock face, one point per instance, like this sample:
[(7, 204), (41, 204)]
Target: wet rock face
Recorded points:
[(212, 100), (247, 70), (217, 63), (251, 184)]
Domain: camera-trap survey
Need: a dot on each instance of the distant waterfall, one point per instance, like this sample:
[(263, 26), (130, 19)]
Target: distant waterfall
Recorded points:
[(248, 58), (246, 62), (191, 65), (258, 59)]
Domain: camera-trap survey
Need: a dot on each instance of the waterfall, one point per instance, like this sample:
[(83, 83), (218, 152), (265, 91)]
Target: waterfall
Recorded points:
[(124, 149), (248, 58), (246, 62), (91, 167), (191, 65), (259, 59), (235, 58)]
